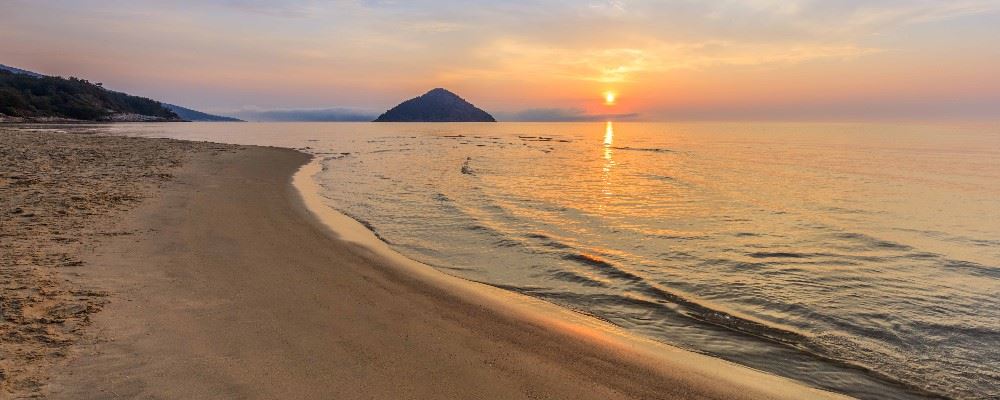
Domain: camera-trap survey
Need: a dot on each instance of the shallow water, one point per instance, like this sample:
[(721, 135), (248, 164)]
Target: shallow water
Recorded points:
[(859, 258)]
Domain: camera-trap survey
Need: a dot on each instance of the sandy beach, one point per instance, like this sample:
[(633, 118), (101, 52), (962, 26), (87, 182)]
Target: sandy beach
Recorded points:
[(204, 273), (61, 197)]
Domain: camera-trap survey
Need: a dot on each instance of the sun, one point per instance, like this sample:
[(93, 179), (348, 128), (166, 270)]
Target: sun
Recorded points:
[(609, 98)]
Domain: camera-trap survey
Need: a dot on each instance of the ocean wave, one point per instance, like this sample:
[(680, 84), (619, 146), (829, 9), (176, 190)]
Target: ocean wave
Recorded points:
[(604, 267), (647, 149), (574, 277), (765, 254), (690, 307)]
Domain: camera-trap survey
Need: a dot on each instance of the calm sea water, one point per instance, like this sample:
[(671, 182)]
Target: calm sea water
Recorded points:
[(859, 258)]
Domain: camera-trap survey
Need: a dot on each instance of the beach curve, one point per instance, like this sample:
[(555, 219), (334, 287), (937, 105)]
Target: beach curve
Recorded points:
[(277, 295), (663, 358)]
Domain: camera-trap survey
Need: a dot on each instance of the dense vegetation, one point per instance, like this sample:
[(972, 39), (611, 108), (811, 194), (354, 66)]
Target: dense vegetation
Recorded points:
[(27, 96)]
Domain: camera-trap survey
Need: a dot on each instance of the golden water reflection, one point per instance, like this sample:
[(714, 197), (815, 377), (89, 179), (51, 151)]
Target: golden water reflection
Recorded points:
[(609, 162), (609, 138)]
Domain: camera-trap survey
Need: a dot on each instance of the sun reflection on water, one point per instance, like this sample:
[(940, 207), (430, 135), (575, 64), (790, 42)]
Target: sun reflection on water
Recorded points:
[(609, 162), (609, 138)]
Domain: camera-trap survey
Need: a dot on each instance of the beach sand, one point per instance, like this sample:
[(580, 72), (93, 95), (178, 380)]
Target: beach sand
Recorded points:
[(224, 282), (60, 197)]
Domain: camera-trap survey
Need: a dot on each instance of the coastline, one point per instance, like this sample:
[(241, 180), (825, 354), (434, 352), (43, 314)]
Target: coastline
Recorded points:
[(708, 377), (197, 309)]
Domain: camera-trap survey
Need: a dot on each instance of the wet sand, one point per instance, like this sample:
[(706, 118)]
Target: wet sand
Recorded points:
[(228, 285)]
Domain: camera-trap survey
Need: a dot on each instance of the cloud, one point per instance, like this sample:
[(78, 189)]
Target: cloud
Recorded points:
[(562, 115), (512, 55), (916, 108), (526, 60)]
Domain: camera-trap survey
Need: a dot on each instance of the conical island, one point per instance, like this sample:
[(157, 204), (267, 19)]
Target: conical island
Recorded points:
[(437, 105)]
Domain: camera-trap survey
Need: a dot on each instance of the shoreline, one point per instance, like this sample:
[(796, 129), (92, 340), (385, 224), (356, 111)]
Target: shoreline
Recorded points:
[(660, 357), (240, 282)]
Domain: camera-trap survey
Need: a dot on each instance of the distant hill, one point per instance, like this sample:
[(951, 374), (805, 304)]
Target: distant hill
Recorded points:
[(308, 115), (438, 105), (26, 97), (20, 71), (188, 114), (29, 96)]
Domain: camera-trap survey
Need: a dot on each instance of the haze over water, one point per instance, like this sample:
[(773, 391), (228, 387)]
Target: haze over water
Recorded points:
[(860, 258)]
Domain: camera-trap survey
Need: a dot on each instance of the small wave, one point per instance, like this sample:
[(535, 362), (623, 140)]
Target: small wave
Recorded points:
[(577, 278), (870, 241), (507, 243), (691, 308), (952, 237), (985, 242), (661, 300), (603, 266), (972, 268), (399, 150), (950, 329), (764, 254), (548, 241), (571, 300), (709, 315), (844, 210), (649, 149), (535, 138), (336, 157), (677, 255), (367, 225), (441, 197), (556, 245)]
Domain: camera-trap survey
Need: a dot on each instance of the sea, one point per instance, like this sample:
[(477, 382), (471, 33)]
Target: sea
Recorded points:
[(859, 258)]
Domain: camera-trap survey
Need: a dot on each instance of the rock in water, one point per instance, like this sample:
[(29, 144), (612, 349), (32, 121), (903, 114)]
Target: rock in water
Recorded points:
[(438, 105)]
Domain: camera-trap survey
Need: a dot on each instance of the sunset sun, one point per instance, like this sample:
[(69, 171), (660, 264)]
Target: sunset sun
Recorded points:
[(609, 98)]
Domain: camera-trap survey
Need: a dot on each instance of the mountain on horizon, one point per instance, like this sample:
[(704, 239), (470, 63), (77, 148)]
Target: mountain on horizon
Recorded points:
[(437, 105), (20, 71), (188, 114), (30, 96)]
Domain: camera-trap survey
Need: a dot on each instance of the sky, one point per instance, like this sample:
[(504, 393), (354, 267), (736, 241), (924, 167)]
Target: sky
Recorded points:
[(520, 60)]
